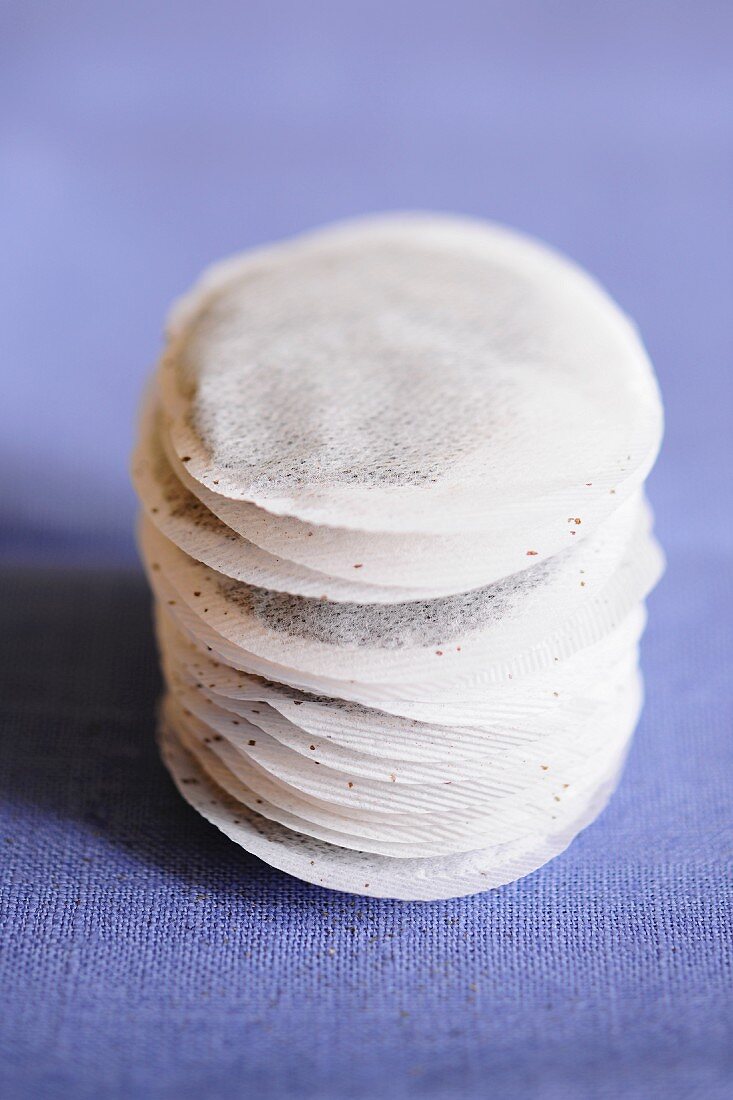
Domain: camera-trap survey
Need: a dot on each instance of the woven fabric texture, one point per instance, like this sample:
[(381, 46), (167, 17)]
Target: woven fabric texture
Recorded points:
[(144, 955)]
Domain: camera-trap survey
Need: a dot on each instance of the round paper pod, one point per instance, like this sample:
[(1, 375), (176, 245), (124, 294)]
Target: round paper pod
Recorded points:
[(411, 374), (364, 873)]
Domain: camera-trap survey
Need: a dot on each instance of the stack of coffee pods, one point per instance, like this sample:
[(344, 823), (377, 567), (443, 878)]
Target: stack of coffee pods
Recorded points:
[(393, 518)]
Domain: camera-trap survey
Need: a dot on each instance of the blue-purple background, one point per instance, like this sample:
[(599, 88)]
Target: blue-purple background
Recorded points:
[(142, 140), (145, 955)]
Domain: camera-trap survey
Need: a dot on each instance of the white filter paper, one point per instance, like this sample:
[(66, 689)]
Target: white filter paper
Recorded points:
[(392, 476), (361, 872), (239, 625), (414, 374)]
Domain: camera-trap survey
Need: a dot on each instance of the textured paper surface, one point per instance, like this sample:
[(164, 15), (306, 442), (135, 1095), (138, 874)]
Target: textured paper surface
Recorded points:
[(396, 532), (363, 872), (313, 380), (375, 675)]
